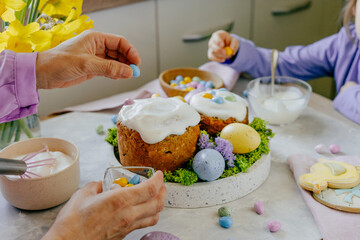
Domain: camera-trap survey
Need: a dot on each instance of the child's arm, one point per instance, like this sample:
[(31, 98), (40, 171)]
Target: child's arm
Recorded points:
[(347, 102)]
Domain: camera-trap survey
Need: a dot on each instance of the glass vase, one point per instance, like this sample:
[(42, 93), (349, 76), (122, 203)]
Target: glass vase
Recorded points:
[(19, 129)]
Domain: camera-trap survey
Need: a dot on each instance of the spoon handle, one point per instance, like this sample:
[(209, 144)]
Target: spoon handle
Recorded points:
[(12, 167), (274, 62)]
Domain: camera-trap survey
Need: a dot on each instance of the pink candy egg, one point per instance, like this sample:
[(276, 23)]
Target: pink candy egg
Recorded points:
[(274, 226), (259, 207), (334, 148), (129, 101)]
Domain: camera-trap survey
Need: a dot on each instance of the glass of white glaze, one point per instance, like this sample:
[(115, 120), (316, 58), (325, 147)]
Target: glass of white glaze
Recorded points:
[(290, 98)]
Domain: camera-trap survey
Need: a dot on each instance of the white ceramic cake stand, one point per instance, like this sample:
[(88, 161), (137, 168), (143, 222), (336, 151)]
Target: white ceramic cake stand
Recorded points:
[(206, 194)]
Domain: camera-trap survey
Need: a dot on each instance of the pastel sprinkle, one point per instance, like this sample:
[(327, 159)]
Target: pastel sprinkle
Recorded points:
[(136, 70), (114, 118), (196, 79), (207, 95), (180, 97), (155, 95), (129, 101), (224, 211), (334, 148), (121, 181), (229, 51), (274, 226), (218, 100), (135, 180), (321, 148), (230, 98), (226, 222), (179, 78), (259, 207), (99, 129)]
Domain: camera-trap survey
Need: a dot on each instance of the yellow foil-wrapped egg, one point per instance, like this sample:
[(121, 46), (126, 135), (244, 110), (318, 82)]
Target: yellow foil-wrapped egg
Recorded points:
[(243, 137)]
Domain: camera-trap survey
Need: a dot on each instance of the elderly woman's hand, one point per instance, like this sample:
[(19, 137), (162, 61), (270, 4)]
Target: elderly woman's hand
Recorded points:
[(83, 57), (93, 214)]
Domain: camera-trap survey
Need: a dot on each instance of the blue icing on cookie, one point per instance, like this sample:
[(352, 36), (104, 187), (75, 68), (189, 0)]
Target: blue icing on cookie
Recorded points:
[(136, 70), (355, 191)]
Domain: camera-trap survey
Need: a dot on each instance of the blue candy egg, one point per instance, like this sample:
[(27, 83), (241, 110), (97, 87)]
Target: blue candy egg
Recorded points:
[(183, 86), (114, 118), (173, 81), (245, 94), (213, 92), (208, 164), (196, 79), (226, 222), (202, 82), (209, 84), (135, 180), (218, 100), (136, 70), (179, 78), (223, 89)]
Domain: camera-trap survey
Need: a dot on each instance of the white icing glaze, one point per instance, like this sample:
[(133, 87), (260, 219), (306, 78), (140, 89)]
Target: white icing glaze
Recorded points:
[(61, 162), (157, 118), (222, 111)]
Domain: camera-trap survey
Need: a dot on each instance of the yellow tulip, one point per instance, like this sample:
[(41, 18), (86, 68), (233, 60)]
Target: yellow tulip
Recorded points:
[(8, 8), (60, 7)]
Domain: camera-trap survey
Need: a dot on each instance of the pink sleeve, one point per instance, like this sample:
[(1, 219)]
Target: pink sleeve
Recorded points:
[(18, 94)]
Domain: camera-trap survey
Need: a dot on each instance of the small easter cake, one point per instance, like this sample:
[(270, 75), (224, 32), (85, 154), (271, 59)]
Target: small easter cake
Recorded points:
[(157, 132), (219, 108)]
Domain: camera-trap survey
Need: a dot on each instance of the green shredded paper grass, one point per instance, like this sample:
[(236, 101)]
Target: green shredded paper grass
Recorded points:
[(187, 176)]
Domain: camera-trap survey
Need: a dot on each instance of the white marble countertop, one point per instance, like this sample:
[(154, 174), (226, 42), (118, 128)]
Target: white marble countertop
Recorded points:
[(319, 123)]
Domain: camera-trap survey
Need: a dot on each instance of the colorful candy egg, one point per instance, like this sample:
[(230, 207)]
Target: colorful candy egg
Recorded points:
[(179, 78), (121, 181), (274, 226), (243, 137), (224, 212), (226, 222), (334, 148), (208, 164), (135, 180), (229, 51), (218, 100), (157, 235), (196, 79), (114, 118), (136, 70)]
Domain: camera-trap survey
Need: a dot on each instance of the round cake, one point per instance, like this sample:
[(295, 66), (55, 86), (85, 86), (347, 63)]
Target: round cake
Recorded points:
[(157, 132), (219, 108)]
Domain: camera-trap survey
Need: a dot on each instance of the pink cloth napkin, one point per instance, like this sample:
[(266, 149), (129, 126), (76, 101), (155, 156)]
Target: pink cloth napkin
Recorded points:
[(228, 75), (333, 224)]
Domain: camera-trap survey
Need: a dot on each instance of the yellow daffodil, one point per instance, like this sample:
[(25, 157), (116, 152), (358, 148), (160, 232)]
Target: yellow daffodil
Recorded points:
[(60, 8), (19, 36), (8, 8), (3, 41), (44, 40)]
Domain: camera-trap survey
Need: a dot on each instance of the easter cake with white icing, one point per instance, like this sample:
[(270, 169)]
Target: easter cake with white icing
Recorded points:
[(157, 132), (219, 108)]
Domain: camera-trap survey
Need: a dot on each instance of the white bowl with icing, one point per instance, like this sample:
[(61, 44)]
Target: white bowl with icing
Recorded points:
[(290, 97), (56, 184)]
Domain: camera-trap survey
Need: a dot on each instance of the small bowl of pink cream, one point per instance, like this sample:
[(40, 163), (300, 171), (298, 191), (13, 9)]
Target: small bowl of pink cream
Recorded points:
[(50, 176)]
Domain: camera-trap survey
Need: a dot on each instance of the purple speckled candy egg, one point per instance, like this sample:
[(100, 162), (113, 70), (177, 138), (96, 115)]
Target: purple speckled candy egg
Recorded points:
[(274, 226), (129, 101), (208, 164), (334, 148), (157, 235)]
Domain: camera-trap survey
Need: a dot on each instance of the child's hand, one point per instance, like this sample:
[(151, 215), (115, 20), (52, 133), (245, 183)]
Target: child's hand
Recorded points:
[(217, 44)]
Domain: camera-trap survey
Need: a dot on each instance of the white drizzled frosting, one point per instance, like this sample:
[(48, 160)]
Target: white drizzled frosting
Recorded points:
[(156, 118), (235, 108)]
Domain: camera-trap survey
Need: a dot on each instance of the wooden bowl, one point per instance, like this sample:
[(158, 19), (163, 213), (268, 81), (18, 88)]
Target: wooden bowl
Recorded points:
[(168, 75)]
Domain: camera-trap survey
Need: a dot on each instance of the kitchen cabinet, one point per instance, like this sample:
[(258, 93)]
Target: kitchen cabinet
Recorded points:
[(179, 20), (137, 23), (281, 23)]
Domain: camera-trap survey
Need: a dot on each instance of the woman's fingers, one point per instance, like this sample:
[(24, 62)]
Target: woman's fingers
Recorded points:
[(117, 43)]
